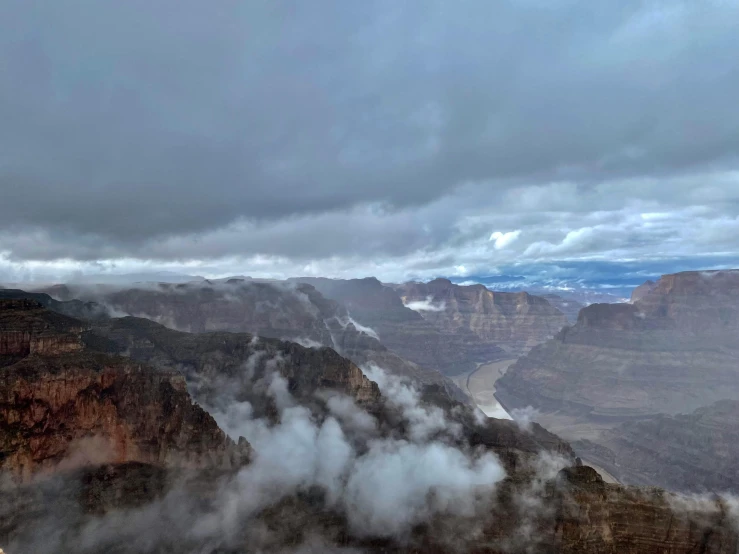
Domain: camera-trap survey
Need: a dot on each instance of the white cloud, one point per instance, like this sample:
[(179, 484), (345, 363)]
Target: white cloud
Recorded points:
[(504, 239), (426, 305)]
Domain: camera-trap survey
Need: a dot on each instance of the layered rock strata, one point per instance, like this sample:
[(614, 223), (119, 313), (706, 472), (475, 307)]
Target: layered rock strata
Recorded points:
[(672, 351), (63, 405), (696, 452), (516, 321)]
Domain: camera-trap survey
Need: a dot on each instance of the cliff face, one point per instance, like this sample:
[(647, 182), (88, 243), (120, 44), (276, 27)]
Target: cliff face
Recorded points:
[(697, 452), (516, 321), (26, 330), (62, 406), (406, 331), (234, 361), (672, 351), (568, 306), (69, 307), (593, 517), (642, 290), (289, 311), (56, 403)]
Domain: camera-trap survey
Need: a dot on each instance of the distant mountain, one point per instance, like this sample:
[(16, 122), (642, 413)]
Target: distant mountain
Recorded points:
[(283, 310), (515, 321), (568, 306), (407, 331), (448, 327), (673, 350)]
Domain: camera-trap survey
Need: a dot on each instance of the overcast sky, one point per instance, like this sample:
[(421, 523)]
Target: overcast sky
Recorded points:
[(397, 139)]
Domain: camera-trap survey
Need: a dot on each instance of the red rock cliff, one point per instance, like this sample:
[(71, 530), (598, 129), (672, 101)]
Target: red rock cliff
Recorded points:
[(62, 406)]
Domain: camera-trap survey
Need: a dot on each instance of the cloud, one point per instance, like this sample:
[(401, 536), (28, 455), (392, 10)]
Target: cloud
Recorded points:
[(348, 320), (426, 305), (375, 138), (525, 417), (501, 240), (383, 485)]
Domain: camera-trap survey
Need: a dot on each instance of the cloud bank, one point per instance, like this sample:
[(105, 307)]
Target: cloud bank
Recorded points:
[(399, 140)]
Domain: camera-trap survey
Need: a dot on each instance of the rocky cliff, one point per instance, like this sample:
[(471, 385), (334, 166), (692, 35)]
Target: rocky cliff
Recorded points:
[(221, 363), (671, 351), (697, 452), (285, 310), (67, 306), (138, 405), (62, 405), (407, 331), (570, 307), (642, 290), (516, 321), (594, 517)]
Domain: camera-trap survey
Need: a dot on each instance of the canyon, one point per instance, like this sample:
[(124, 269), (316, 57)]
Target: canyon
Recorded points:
[(285, 310), (641, 387), (128, 381)]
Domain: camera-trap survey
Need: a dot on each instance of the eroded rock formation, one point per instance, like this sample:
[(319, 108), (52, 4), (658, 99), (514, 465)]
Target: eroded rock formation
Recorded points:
[(62, 405), (407, 331), (671, 351), (147, 501), (517, 321), (285, 310)]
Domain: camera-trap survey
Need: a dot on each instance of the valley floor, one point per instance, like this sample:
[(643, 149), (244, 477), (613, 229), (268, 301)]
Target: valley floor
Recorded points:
[(480, 385)]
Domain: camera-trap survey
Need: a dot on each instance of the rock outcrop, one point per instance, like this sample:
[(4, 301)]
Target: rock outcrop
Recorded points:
[(285, 310), (671, 351), (406, 331), (233, 364), (53, 399), (516, 321), (642, 290), (594, 517), (697, 452), (219, 362), (570, 307), (63, 405), (67, 306)]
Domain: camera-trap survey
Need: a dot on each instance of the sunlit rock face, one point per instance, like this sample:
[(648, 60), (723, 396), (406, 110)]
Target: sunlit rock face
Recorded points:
[(671, 351)]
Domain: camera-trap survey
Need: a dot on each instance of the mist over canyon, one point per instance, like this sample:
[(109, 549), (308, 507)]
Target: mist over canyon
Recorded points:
[(304, 415), (369, 277)]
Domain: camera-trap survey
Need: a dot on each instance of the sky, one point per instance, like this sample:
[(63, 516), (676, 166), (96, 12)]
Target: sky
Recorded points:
[(552, 140)]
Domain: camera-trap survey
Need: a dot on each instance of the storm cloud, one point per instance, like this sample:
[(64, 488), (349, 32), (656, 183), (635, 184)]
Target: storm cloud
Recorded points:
[(430, 137)]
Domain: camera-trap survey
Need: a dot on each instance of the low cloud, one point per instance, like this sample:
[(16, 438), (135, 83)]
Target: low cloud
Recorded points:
[(426, 305), (348, 320), (384, 485), (501, 240), (525, 417)]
